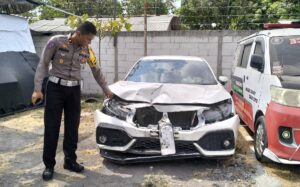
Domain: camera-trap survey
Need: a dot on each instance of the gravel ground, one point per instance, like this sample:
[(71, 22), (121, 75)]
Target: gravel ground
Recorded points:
[(21, 139)]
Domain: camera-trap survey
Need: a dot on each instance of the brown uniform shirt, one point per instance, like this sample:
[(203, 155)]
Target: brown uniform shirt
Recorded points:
[(66, 59)]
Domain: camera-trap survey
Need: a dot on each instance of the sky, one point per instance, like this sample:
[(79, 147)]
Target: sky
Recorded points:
[(177, 3)]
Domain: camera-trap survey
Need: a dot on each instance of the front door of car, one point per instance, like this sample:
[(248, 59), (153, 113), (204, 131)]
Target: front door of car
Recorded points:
[(254, 80)]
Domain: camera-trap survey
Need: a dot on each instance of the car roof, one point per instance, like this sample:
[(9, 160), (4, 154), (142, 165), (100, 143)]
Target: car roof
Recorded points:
[(170, 57), (274, 32)]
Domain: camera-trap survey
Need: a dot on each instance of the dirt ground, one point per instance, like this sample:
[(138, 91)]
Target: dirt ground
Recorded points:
[(21, 140)]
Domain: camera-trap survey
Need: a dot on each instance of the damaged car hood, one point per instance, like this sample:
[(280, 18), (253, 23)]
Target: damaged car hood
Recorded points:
[(164, 93)]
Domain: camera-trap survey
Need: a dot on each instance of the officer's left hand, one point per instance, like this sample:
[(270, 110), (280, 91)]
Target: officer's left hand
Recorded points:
[(109, 94), (36, 95)]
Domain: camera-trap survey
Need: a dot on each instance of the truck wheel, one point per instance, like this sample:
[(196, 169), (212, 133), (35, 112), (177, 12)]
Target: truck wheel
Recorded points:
[(260, 139)]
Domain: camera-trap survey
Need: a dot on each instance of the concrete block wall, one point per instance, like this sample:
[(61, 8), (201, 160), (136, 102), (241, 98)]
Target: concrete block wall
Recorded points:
[(217, 47), (40, 42)]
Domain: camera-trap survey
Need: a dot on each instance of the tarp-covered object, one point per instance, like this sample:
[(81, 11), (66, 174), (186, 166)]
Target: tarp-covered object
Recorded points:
[(16, 80), (18, 62), (16, 6), (15, 34)]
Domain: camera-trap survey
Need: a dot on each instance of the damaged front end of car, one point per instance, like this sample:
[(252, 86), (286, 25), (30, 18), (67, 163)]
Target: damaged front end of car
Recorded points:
[(135, 131)]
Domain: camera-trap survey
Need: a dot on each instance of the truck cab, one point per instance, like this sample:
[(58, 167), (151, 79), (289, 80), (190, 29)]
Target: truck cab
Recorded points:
[(265, 86)]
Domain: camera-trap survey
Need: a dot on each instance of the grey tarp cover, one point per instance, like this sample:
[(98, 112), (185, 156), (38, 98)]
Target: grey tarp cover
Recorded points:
[(16, 80)]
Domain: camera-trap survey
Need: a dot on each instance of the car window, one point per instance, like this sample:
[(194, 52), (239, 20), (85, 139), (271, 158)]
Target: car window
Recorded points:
[(172, 71), (245, 57)]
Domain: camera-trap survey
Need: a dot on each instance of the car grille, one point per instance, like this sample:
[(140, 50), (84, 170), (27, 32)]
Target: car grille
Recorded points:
[(150, 116), (146, 144)]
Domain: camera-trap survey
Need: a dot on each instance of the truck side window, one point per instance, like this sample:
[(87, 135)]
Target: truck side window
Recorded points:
[(245, 57), (258, 49), (237, 56)]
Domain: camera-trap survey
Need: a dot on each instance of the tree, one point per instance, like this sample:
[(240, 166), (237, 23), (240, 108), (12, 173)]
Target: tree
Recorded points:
[(93, 8), (31, 15), (200, 14), (155, 7), (104, 27), (236, 14), (48, 13)]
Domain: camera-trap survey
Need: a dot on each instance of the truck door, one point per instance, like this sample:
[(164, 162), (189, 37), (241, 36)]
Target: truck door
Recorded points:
[(238, 77), (253, 82)]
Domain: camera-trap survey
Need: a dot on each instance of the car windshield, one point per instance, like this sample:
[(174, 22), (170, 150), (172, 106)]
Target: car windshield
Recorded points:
[(285, 55), (172, 71)]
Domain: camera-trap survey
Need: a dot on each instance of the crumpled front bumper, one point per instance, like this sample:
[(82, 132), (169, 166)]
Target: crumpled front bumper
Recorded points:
[(123, 153)]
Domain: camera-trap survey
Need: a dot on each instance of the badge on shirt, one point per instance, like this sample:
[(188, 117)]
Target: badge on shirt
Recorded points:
[(61, 60), (83, 60), (65, 46)]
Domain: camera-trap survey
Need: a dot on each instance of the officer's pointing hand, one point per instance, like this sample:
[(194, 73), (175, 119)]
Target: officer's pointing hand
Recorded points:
[(109, 94), (36, 95)]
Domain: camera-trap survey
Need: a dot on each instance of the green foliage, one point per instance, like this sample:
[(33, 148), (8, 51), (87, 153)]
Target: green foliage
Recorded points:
[(105, 8), (31, 15), (99, 8), (154, 7), (49, 13), (102, 8), (104, 27), (236, 14)]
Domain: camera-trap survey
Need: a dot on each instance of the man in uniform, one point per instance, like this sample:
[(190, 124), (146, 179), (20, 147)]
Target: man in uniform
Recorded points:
[(66, 53)]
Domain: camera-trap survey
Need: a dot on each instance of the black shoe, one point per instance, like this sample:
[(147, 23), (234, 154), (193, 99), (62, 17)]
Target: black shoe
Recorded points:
[(48, 174), (73, 166)]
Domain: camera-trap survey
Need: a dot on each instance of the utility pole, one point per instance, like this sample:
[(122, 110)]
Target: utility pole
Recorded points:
[(145, 27), (116, 78)]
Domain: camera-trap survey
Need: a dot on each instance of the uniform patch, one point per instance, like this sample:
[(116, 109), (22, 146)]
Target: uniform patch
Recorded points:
[(92, 60), (51, 44)]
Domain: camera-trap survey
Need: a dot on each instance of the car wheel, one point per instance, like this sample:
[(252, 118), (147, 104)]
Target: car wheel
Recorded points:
[(260, 139)]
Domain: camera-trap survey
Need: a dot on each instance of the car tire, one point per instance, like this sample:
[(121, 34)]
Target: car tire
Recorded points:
[(260, 139)]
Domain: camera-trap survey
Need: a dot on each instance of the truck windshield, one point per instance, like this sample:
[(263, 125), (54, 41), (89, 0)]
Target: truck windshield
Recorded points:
[(285, 55)]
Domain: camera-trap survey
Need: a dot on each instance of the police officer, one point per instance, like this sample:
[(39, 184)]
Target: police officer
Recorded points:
[(66, 53)]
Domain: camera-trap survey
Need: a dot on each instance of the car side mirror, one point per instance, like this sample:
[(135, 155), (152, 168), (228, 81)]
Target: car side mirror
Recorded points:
[(257, 62), (223, 79)]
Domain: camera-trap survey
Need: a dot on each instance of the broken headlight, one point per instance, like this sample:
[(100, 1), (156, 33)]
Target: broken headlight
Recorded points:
[(288, 97), (115, 108), (219, 112)]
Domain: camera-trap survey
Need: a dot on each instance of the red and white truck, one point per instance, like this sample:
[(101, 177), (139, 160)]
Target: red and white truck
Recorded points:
[(265, 87)]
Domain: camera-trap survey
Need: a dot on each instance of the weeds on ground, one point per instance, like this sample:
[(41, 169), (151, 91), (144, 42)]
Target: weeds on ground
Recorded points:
[(155, 180)]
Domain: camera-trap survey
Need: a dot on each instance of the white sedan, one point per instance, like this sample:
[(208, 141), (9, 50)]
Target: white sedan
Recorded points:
[(167, 107)]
